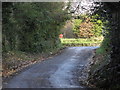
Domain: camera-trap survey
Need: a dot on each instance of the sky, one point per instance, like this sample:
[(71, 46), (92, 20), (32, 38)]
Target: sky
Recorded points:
[(84, 6)]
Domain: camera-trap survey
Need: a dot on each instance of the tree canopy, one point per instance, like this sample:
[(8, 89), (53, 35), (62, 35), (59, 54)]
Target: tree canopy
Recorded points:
[(32, 27)]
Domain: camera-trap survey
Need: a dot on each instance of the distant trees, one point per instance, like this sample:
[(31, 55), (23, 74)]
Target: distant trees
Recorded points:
[(76, 27), (32, 27), (98, 24), (88, 26), (86, 29), (67, 30)]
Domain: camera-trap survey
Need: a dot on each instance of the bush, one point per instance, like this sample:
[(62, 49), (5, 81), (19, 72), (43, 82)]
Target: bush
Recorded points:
[(87, 26), (76, 26), (32, 27)]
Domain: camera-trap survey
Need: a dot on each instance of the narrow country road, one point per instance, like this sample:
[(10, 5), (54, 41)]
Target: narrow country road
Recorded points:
[(56, 72)]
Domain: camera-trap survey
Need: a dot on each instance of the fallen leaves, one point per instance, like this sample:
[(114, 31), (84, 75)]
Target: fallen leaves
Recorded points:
[(15, 61)]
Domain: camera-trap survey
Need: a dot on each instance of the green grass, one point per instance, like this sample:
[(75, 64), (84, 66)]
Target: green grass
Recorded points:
[(95, 41), (104, 48), (100, 50)]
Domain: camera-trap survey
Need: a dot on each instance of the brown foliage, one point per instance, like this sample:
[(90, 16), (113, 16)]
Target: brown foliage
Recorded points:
[(86, 28)]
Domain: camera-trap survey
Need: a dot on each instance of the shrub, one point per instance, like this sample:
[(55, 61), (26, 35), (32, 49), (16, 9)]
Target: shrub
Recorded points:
[(87, 26)]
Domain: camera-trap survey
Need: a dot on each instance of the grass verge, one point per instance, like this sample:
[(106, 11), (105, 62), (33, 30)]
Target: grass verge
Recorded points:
[(94, 41), (100, 70)]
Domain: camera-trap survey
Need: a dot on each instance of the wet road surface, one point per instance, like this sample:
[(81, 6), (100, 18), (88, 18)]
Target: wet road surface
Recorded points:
[(56, 72)]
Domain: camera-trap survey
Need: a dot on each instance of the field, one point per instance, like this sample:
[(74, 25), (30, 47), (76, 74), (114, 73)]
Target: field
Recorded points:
[(69, 42)]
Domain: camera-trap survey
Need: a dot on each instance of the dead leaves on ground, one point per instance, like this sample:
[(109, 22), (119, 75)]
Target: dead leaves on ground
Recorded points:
[(13, 62)]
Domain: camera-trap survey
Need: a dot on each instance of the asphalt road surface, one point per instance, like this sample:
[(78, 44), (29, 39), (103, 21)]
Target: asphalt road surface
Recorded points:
[(56, 72)]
